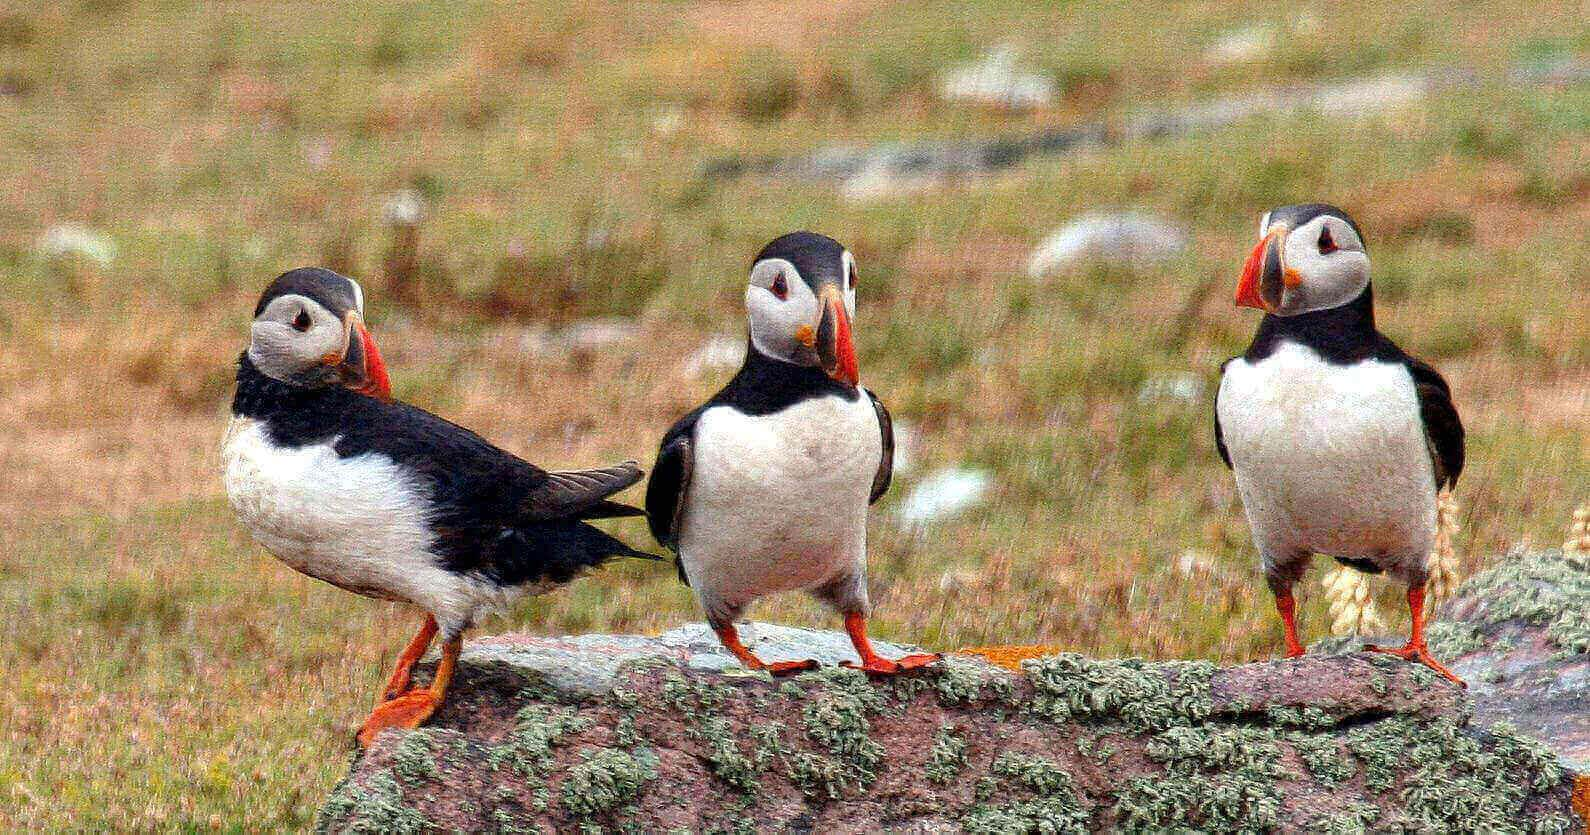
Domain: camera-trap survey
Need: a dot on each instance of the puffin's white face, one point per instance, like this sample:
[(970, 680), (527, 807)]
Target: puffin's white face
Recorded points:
[(804, 319), (298, 338), (293, 335), (1319, 265)]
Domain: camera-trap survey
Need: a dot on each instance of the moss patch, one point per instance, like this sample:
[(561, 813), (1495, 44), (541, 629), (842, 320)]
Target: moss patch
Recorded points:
[(1139, 695), (413, 761), (1543, 589), (947, 757), (376, 806), (1215, 778), (1055, 806), (528, 748), (1445, 778), (606, 779), (1324, 757)]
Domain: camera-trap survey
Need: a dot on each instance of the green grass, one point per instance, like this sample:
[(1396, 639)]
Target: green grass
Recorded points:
[(167, 673)]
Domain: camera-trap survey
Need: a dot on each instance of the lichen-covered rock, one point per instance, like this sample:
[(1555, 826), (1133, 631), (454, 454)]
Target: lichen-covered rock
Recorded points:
[(654, 734), (1519, 634)]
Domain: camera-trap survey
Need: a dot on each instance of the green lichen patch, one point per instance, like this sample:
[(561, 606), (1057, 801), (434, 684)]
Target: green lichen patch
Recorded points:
[(816, 775), (528, 748), (414, 761), (1095, 748), (1308, 717), (1204, 802), (1055, 806), (1351, 819), (376, 806), (835, 717), (1445, 777), (947, 757), (1453, 639), (961, 681), (1225, 778), (1139, 695), (1324, 757), (1543, 589), (1251, 751), (605, 779), (724, 758)]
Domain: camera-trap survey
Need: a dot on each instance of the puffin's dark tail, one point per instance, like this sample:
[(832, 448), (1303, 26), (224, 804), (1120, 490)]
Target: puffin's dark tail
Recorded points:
[(609, 510)]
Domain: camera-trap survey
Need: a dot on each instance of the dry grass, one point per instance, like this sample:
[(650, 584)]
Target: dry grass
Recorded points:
[(168, 674)]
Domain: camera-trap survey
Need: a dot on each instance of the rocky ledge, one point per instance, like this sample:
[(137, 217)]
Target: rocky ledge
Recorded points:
[(667, 733)]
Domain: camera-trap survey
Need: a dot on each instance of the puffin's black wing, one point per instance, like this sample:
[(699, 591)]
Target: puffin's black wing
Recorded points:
[(1442, 426), (670, 483), (881, 481), (493, 514), (1220, 439)]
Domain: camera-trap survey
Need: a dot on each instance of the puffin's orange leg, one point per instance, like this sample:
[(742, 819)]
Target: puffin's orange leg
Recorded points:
[(415, 706), (1415, 649), (398, 684), (874, 663), (731, 641), (1287, 606)]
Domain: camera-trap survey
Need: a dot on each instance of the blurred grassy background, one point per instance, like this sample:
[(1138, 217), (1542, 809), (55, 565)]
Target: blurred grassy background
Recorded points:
[(164, 672)]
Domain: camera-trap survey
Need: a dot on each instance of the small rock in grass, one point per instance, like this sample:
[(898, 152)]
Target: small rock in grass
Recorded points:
[(1127, 239), (65, 239), (403, 208), (1250, 43), (1184, 387), (720, 353), (943, 494), (994, 80)]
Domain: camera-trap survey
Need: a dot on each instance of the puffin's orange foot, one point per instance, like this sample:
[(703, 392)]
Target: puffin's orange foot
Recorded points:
[(779, 669), (409, 710), (884, 667), (1418, 654), (398, 686), (1295, 653)]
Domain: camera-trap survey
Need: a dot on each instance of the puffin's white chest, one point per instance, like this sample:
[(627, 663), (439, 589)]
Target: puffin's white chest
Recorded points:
[(1329, 459), (357, 523), (779, 502)]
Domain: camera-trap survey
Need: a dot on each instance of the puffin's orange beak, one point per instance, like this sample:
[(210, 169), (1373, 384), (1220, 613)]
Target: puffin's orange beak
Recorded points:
[(1263, 273), (361, 366), (834, 346)]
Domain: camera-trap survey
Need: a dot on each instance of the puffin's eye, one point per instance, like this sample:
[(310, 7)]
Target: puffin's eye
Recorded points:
[(1327, 244), (301, 321), (780, 287)]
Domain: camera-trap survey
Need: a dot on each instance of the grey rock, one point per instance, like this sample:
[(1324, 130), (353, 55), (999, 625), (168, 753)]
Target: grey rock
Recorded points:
[(65, 239), (995, 80), (943, 494)]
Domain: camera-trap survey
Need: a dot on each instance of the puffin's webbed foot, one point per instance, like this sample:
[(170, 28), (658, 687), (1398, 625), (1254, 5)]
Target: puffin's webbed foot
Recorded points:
[(875, 664), (1419, 654), (730, 638), (410, 709), (1415, 649)]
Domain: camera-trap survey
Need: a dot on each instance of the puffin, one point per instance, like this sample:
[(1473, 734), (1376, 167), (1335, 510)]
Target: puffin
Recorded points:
[(1339, 440), (765, 487), (386, 500)]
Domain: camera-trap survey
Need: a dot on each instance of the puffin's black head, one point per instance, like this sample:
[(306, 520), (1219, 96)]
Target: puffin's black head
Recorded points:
[(1309, 257), (801, 298), (309, 331)]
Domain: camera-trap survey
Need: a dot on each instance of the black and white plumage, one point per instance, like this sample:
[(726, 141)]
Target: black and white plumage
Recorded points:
[(382, 498), (1340, 441), (765, 487)]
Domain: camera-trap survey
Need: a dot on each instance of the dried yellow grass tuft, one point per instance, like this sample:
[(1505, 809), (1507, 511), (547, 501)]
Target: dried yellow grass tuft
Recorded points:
[(1352, 604), (1445, 572), (1577, 548)]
